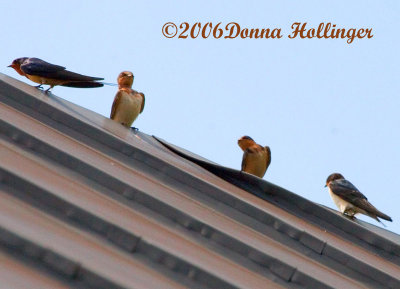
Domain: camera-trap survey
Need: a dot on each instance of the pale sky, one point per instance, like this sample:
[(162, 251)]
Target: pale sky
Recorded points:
[(322, 106)]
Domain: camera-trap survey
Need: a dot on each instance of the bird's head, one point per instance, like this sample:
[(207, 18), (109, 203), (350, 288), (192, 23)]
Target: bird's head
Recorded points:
[(245, 141), (16, 64), (333, 177), (125, 79)]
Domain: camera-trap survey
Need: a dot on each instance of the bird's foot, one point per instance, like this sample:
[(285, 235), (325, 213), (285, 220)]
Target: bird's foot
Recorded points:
[(48, 90), (134, 128), (351, 217), (40, 86)]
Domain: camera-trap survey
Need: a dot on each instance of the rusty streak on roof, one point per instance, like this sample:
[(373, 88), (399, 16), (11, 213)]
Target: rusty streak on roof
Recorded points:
[(87, 203)]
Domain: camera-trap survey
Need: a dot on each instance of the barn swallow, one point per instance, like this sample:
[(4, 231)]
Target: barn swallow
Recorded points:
[(128, 103), (256, 159), (350, 200), (42, 72)]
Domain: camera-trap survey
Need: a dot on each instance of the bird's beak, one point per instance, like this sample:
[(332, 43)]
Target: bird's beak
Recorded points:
[(325, 186), (10, 65)]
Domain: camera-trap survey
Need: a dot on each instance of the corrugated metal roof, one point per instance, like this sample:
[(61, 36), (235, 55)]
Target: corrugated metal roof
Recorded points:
[(87, 203)]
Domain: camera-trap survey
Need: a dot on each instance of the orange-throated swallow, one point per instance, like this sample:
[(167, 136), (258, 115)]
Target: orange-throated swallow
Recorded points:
[(350, 200), (128, 103), (256, 158), (42, 72)]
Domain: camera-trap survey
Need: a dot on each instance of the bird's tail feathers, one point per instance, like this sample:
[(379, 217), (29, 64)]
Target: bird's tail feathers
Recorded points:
[(110, 84), (374, 212), (377, 219), (383, 216), (83, 84), (88, 84)]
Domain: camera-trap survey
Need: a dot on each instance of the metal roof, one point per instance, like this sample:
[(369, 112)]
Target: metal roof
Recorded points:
[(87, 203)]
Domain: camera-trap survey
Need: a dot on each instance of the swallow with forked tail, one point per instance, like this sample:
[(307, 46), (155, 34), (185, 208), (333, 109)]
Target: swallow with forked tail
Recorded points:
[(128, 103), (45, 73), (350, 200), (256, 158)]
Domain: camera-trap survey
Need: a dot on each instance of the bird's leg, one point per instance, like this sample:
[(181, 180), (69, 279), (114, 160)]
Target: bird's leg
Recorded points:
[(349, 216), (39, 86), (48, 90), (349, 213)]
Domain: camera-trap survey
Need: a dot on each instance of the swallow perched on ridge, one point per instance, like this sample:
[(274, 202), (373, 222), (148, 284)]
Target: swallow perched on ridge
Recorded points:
[(42, 72), (128, 103), (350, 200), (256, 158)]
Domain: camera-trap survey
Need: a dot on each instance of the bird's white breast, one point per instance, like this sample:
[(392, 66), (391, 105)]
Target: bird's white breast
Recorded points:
[(340, 203), (128, 108)]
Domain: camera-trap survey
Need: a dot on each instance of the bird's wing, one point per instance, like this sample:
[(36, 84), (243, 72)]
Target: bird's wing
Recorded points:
[(347, 191), (36, 66), (141, 109), (71, 76), (268, 151), (115, 104), (246, 154)]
